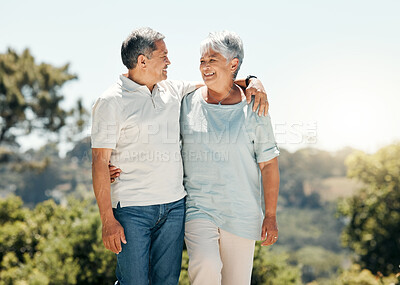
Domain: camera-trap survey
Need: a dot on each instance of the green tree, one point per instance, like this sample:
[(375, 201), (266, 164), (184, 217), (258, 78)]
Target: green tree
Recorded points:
[(373, 230), (30, 95)]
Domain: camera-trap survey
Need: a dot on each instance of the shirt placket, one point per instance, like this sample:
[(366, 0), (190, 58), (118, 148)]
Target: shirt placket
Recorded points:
[(156, 99)]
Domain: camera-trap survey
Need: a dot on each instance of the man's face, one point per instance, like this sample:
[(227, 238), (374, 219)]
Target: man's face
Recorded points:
[(157, 65)]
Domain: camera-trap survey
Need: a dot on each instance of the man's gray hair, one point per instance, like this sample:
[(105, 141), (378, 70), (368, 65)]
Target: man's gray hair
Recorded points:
[(227, 43), (140, 42)]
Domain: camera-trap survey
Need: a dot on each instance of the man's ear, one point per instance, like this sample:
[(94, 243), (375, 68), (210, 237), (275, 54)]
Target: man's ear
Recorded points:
[(142, 61), (234, 65)]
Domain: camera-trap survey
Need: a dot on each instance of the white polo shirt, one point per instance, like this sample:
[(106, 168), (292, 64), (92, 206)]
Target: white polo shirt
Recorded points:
[(142, 129)]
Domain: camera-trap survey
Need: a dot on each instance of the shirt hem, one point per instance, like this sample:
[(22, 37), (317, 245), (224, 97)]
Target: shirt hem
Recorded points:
[(223, 228), (146, 203)]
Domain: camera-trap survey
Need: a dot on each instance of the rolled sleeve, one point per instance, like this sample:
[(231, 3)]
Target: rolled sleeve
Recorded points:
[(105, 124), (265, 146)]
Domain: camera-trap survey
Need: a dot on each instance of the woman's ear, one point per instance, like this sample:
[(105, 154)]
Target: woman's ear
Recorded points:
[(234, 65)]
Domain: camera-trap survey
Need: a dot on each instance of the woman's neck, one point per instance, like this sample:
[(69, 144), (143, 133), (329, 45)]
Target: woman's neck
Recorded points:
[(224, 96), (220, 91)]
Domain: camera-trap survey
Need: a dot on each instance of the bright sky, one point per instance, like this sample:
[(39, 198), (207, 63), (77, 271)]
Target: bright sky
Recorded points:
[(331, 68)]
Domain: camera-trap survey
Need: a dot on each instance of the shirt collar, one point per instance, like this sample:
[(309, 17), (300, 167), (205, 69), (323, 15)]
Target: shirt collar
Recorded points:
[(130, 85)]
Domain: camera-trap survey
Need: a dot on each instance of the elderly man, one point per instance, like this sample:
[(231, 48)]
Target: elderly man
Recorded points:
[(135, 126)]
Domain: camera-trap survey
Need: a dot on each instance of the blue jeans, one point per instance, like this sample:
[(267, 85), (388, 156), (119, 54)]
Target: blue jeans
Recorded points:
[(153, 252)]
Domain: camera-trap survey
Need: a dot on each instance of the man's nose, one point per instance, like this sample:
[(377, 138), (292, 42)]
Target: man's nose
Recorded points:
[(167, 61)]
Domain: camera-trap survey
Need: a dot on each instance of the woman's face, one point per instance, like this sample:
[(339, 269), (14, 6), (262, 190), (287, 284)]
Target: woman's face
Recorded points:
[(214, 68)]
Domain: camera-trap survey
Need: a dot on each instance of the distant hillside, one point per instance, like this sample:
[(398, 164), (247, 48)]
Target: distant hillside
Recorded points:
[(309, 177), (331, 188)]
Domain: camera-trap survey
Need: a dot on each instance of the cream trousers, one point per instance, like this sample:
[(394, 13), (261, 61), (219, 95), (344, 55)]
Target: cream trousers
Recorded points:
[(216, 256)]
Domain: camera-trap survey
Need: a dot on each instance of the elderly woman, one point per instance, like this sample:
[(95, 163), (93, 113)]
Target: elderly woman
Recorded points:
[(231, 170)]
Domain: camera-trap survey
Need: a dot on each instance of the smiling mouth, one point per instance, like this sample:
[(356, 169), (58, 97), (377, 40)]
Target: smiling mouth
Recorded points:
[(209, 74)]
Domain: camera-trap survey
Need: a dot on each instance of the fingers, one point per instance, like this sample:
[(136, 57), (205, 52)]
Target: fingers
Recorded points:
[(117, 244), (113, 243), (260, 101), (113, 236), (248, 94), (118, 239), (123, 238), (272, 237), (256, 101), (110, 245), (261, 109), (266, 108), (115, 173), (263, 232), (270, 228)]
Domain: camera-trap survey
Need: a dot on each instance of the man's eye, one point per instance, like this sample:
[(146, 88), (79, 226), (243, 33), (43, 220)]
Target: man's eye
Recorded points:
[(212, 60)]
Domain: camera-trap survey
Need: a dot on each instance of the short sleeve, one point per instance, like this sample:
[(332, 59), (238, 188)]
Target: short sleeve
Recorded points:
[(105, 124), (265, 147)]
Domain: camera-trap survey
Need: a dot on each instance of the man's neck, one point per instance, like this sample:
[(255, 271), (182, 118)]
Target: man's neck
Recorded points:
[(140, 79)]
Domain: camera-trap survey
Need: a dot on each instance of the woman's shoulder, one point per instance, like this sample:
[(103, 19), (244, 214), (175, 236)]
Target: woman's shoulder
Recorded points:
[(252, 117), (193, 97)]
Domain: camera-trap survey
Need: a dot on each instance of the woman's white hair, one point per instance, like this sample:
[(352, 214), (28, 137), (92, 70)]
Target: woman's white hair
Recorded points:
[(227, 43)]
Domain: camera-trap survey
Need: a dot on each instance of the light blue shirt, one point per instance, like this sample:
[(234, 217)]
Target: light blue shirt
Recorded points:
[(221, 148)]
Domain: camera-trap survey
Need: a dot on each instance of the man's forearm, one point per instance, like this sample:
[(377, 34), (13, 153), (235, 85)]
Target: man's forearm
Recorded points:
[(241, 83), (101, 186), (270, 178)]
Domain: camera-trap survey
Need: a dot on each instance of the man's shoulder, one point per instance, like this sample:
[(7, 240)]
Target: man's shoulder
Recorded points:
[(170, 83), (112, 93), (175, 85), (171, 86), (110, 98)]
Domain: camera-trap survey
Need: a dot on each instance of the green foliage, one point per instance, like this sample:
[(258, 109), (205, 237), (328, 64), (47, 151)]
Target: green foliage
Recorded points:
[(273, 269), (317, 262), (373, 231), (53, 244), (30, 95), (184, 277), (357, 276)]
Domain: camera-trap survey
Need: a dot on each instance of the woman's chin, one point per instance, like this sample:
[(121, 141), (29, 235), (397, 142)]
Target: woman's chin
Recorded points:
[(208, 82)]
